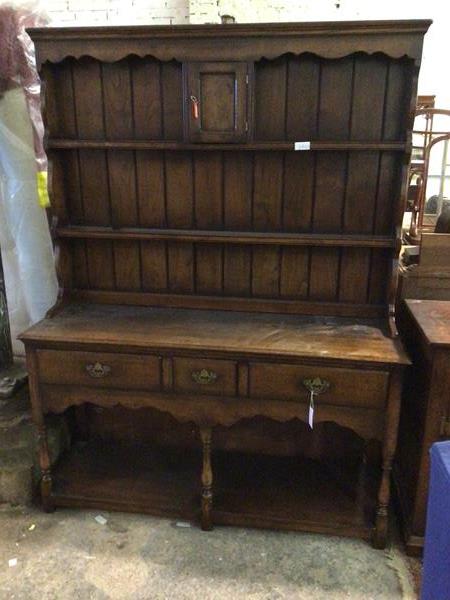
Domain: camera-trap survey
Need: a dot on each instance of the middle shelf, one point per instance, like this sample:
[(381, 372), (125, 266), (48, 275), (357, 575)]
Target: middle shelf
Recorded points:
[(230, 237)]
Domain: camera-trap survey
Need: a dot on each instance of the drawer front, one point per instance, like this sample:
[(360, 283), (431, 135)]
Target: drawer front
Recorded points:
[(203, 376), (123, 371), (344, 387)]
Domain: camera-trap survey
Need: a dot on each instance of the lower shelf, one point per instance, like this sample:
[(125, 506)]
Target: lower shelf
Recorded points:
[(250, 490)]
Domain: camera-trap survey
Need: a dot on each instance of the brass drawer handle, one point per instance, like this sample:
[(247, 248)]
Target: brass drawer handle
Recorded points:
[(316, 386), (98, 370), (204, 377)]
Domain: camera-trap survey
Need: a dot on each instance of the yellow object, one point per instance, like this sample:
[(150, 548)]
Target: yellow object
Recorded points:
[(42, 190)]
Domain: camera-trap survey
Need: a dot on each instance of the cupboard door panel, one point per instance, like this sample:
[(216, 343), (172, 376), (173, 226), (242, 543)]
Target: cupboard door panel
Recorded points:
[(216, 101)]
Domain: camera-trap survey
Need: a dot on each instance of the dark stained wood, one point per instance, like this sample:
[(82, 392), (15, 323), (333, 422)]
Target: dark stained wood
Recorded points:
[(101, 264), (122, 186), (208, 187), (246, 41), (146, 328), (207, 479), (121, 371), (267, 192), (276, 146), (336, 87), (303, 91), (294, 276), (180, 298), (164, 481), (223, 376), (330, 178), (286, 382), (172, 100), (369, 89), (324, 274), (425, 416), (354, 275), (298, 192), (154, 264), (151, 189), (211, 267), (231, 237), (237, 191), (127, 267), (117, 100), (146, 91), (270, 100), (216, 101)]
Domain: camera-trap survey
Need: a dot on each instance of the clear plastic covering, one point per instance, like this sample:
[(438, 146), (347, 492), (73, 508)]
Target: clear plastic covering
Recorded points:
[(25, 241), (18, 65)]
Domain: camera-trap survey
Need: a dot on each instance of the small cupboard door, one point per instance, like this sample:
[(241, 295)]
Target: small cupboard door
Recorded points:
[(216, 101)]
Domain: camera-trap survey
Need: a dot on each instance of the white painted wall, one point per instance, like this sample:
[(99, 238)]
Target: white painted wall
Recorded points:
[(434, 78)]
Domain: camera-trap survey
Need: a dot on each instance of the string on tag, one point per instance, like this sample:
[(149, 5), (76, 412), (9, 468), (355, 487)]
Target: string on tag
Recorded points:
[(311, 409)]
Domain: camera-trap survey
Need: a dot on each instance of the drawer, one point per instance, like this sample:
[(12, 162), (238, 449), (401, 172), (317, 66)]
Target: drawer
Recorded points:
[(347, 387), (126, 371), (204, 376)]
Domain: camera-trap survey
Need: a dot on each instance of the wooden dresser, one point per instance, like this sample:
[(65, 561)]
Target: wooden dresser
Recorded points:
[(227, 202), (425, 417)]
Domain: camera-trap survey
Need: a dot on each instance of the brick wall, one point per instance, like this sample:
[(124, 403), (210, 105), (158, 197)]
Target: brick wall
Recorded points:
[(116, 12), (167, 12)]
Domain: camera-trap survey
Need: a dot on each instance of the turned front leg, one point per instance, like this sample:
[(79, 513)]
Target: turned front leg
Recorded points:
[(388, 452), (207, 480), (45, 466), (39, 421)]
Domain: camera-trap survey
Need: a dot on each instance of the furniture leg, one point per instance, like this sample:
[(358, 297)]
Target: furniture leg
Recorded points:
[(379, 539), (45, 466), (39, 421), (207, 480)]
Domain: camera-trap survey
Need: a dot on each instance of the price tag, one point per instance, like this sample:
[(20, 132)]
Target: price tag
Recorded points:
[(311, 410), (302, 145)]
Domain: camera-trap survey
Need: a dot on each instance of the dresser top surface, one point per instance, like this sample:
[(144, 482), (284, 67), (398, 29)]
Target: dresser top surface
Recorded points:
[(219, 331), (433, 318)]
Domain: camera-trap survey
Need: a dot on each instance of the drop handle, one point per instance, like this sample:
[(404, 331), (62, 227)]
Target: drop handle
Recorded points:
[(204, 376), (316, 385), (194, 107), (97, 370)]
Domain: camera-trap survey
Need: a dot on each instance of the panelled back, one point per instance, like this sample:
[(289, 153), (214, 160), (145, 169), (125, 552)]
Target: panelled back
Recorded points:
[(324, 192)]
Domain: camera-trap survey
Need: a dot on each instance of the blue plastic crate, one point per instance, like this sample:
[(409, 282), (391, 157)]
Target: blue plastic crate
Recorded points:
[(436, 562)]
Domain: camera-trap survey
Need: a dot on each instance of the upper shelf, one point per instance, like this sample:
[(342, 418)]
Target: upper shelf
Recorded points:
[(227, 237), (66, 144), (249, 42)]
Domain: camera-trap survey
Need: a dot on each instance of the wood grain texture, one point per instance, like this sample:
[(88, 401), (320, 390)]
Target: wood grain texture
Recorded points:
[(228, 267), (425, 415)]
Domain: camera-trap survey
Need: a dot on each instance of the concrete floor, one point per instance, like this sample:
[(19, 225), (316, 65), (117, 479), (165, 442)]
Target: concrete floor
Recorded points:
[(69, 555)]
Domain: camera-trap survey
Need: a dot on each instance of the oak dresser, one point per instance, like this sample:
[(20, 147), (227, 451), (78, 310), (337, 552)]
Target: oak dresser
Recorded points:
[(226, 206)]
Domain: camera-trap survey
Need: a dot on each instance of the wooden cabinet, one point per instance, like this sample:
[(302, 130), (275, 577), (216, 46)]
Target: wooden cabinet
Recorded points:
[(226, 205), (425, 327), (217, 100)]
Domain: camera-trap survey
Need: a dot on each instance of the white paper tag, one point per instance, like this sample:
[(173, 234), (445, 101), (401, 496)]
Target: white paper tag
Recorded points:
[(302, 145), (311, 411), (101, 520), (12, 562), (182, 524)]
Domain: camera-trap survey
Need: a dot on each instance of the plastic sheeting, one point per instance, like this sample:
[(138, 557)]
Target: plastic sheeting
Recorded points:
[(27, 255)]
